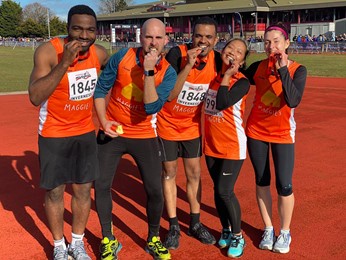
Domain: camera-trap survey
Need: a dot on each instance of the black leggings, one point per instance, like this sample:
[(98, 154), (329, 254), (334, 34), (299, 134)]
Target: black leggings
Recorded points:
[(283, 158), (224, 174), (147, 156)]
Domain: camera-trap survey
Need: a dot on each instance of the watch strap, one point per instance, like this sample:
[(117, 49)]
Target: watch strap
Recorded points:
[(149, 72)]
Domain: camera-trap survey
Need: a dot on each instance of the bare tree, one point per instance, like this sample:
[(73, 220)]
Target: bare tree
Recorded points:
[(37, 13), (111, 6)]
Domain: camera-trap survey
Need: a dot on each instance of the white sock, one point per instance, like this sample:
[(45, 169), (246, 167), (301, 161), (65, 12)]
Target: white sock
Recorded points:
[(269, 228), (60, 242), (283, 231), (76, 238)]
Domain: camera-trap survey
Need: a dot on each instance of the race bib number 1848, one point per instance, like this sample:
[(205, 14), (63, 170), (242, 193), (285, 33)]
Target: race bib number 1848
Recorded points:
[(82, 83), (192, 94)]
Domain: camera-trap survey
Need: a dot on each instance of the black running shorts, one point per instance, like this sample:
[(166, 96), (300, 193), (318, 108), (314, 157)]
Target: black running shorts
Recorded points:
[(68, 160), (171, 150)]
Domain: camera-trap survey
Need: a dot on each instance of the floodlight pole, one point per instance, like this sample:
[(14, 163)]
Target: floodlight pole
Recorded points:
[(241, 25), (48, 23)]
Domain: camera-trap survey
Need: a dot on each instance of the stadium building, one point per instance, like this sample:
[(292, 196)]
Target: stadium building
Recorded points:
[(247, 18)]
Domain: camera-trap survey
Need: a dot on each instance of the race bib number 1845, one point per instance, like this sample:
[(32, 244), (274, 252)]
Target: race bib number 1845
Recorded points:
[(82, 83)]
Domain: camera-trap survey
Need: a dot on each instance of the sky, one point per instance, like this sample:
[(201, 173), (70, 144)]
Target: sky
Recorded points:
[(60, 7)]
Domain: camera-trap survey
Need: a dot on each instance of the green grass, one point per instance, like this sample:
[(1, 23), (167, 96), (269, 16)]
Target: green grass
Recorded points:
[(15, 68), (16, 65), (317, 65)]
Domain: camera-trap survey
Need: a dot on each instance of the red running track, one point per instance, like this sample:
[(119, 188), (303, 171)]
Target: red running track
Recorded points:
[(318, 226)]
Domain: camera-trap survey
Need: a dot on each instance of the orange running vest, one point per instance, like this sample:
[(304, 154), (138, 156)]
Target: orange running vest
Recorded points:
[(180, 119), (126, 104), (68, 111), (270, 119), (224, 130)]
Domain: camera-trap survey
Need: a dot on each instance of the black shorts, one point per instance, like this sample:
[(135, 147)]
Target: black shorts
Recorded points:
[(68, 160), (171, 150)]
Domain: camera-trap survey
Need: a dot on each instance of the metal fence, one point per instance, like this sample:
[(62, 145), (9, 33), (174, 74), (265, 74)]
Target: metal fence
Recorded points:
[(14, 44), (318, 47), (258, 47)]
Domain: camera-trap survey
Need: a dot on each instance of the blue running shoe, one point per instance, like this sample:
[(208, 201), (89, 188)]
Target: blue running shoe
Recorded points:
[(225, 239), (77, 251), (60, 253), (268, 239), (282, 244), (236, 247)]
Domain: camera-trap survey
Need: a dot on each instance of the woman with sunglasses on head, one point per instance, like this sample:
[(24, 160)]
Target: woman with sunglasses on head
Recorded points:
[(280, 84), (225, 141)]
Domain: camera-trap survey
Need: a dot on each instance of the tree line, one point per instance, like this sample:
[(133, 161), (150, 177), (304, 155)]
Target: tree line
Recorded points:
[(36, 20)]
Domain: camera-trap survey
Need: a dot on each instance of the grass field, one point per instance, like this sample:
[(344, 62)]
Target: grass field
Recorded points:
[(16, 65)]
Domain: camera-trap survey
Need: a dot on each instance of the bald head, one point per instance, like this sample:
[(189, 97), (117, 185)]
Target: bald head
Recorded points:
[(153, 35), (153, 22)]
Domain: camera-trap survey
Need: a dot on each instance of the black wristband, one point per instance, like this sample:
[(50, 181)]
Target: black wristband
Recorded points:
[(149, 72)]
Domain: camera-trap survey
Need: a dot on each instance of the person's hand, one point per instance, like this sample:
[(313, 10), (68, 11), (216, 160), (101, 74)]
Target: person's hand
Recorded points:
[(150, 59), (192, 55), (71, 51), (112, 129), (233, 68), (281, 58)]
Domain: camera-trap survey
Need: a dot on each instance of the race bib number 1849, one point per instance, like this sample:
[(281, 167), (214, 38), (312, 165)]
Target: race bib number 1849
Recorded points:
[(82, 83), (210, 104)]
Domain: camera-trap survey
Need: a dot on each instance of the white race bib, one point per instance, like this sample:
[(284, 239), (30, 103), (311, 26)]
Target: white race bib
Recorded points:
[(210, 104), (82, 83), (192, 94)]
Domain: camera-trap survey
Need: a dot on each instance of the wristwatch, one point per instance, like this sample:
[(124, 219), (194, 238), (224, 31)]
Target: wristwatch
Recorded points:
[(149, 72)]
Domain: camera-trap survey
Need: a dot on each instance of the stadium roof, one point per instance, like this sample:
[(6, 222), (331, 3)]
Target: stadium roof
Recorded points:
[(183, 8)]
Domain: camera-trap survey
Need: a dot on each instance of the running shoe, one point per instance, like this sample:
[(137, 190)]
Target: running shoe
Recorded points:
[(268, 239), (60, 253), (109, 249), (236, 247), (202, 234), (172, 237), (157, 250), (225, 239), (77, 252), (282, 244)]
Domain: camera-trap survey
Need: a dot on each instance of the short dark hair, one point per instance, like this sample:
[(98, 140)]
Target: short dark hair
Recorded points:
[(205, 20), (80, 9)]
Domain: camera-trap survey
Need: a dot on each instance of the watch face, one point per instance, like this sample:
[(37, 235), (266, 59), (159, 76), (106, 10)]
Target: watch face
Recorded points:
[(149, 72)]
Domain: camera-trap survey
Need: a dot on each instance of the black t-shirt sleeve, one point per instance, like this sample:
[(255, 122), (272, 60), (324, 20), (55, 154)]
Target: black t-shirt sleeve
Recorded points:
[(250, 71), (226, 98), (174, 58), (293, 88), (218, 61)]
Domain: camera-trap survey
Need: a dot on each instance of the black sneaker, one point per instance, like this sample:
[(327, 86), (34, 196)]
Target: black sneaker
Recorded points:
[(202, 234), (172, 237)]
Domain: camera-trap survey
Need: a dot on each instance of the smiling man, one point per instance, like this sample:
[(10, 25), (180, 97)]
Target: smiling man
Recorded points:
[(179, 126), (62, 83)]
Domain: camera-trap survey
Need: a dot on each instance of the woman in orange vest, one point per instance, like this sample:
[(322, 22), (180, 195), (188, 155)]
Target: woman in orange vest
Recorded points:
[(225, 141), (280, 84)]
